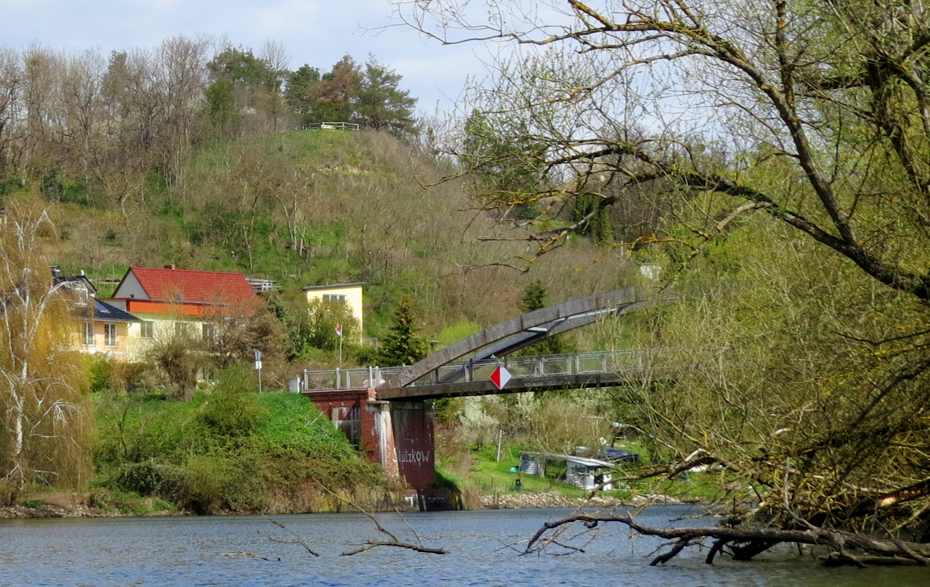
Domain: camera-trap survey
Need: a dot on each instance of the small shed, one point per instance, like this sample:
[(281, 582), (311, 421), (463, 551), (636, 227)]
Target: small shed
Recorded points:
[(581, 472)]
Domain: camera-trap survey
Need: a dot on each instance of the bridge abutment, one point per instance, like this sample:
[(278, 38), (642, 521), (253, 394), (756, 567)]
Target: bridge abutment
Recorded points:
[(396, 435)]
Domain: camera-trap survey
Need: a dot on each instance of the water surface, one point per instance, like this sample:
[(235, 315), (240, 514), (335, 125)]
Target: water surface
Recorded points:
[(482, 550)]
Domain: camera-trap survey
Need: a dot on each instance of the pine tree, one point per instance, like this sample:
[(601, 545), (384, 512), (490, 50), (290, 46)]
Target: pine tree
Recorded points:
[(402, 346), (535, 298)]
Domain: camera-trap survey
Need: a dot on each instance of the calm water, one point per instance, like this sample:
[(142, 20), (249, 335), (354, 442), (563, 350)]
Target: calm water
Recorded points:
[(203, 551)]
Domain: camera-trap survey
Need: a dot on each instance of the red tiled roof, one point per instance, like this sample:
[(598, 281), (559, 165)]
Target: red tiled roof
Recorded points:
[(197, 287)]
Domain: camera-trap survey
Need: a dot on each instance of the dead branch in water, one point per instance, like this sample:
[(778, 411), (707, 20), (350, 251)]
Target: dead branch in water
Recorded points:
[(394, 541), (297, 538), (745, 543)]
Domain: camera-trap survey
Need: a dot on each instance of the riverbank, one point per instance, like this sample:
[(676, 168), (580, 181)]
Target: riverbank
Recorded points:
[(74, 506), (552, 499), (65, 504)]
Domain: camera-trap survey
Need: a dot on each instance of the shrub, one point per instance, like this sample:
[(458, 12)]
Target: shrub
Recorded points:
[(99, 373), (133, 377), (233, 409)]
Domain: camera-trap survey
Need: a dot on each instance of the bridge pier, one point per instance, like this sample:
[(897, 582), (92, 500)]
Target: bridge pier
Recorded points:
[(396, 435)]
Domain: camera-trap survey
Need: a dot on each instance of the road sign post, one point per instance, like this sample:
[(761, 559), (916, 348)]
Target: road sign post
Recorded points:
[(258, 367)]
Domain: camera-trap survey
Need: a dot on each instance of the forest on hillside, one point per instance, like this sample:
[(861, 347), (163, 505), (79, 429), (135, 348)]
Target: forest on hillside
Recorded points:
[(216, 160), (191, 154)]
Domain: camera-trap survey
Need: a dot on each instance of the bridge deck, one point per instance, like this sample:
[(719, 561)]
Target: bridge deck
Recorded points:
[(515, 385), (532, 373)]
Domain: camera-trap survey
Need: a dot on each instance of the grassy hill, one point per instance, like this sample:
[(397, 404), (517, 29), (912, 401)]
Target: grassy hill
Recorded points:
[(319, 207)]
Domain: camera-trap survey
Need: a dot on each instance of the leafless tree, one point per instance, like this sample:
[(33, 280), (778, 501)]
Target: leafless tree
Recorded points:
[(814, 115)]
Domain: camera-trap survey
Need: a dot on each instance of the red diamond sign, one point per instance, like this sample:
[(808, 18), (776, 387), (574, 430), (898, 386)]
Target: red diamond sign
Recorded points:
[(500, 377)]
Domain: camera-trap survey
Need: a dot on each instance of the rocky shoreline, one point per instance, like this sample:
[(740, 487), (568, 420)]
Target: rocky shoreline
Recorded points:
[(552, 499), (50, 511)]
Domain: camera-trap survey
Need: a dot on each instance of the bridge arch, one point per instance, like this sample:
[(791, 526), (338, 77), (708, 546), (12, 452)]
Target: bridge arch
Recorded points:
[(516, 333)]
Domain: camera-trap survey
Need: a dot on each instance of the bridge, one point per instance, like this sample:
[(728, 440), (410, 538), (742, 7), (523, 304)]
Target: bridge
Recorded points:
[(472, 378), (383, 410)]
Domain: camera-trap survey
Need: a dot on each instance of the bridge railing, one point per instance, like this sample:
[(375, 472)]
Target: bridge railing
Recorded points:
[(519, 367), (332, 126), (546, 365), (356, 378)]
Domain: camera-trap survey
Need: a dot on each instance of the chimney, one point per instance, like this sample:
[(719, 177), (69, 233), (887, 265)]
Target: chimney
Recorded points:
[(170, 267)]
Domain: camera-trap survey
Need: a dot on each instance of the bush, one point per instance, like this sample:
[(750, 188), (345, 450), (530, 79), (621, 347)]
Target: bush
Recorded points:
[(99, 372), (133, 377), (233, 409), (151, 478)]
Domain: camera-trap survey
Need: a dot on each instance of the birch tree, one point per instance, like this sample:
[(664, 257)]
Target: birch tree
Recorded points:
[(44, 419)]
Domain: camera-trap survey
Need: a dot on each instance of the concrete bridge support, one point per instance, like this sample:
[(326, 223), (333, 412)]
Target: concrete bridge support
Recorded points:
[(396, 435)]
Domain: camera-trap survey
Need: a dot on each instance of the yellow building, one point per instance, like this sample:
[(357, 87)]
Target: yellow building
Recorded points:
[(349, 294), (102, 327)]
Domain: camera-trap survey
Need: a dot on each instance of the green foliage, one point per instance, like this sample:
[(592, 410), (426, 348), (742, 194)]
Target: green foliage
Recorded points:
[(301, 93), (380, 104), (313, 325), (100, 372), (127, 503), (210, 455), (457, 331), (221, 107), (595, 219), (323, 317), (52, 188), (534, 297), (402, 345), (233, 409)]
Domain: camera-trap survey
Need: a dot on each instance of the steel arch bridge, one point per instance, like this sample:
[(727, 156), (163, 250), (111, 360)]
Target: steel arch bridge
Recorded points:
[(389, 419), (508, 337)]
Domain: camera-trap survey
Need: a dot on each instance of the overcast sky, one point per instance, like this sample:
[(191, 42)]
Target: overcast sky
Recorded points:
[(317, 32)]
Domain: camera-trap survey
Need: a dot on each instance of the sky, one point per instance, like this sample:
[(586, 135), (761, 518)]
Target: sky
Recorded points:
[(316, 32)]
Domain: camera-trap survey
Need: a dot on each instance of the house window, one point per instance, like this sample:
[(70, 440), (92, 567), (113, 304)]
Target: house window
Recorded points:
[(82, 296), (342, 299), (209, 332), (89, 334), (109, 332), (148, 329), (180, 328)]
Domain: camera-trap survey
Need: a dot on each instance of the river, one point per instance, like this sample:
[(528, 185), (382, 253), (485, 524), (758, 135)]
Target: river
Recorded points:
[(209, 551)]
